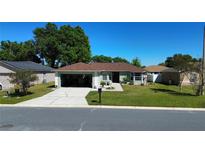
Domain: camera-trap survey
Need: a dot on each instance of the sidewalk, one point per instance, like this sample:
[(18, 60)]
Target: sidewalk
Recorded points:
[(104, 107)]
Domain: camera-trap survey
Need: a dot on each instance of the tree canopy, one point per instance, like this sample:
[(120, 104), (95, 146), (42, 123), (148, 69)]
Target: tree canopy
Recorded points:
[(136, 62), (181, 62), (102, 58), (18, 51), (107, 59), (120, 59), (62, 46)]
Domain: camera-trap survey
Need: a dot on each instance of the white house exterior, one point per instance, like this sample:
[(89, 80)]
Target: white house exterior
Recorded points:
[(44, 73), (91, 75)]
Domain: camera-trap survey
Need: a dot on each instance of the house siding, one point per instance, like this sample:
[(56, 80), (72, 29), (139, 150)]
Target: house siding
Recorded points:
[(45, 77), (4, 70), (154, 77), (4, 81)]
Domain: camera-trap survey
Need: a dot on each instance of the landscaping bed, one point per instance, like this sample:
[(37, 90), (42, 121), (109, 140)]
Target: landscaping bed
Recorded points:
[(157, 95), (33, 92)]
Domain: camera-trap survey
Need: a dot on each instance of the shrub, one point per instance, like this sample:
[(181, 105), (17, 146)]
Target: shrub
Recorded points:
[(102, 83), (126, 80), (23, 80)]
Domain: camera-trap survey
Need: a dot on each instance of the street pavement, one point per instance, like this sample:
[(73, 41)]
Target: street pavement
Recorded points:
[(99, 119)]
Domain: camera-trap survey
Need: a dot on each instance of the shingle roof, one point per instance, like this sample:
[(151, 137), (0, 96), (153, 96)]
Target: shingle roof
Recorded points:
[(26, 65), (171, 70), (115, 67), (155, 68)]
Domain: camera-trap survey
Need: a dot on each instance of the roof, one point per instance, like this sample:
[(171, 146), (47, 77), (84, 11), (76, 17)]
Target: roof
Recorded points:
[(155, 68), (172, 70), (25, 65), (114, 67)]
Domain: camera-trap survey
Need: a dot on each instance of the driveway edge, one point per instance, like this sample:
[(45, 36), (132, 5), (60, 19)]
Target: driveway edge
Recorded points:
[(105, 107)]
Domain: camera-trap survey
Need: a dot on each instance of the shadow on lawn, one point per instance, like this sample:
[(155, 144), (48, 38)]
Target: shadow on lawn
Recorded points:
[(172, 92), (19, 94), (51, 86)]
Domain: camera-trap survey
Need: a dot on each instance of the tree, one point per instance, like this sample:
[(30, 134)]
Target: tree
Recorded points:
[(161, 64), (107, 59), (136, 62), (28, 52), (119, 59), (23, 79), (23, 51), (48, 44), (180, 62), (62, 46), (102, 58)]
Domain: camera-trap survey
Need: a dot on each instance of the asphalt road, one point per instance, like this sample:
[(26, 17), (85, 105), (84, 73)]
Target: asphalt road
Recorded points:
[(85, 119)]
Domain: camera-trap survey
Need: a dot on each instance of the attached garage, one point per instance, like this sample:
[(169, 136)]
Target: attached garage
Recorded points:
[(76, 80)]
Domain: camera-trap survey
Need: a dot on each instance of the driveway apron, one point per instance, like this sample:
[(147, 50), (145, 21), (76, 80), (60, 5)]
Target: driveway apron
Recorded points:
[(60, 97)]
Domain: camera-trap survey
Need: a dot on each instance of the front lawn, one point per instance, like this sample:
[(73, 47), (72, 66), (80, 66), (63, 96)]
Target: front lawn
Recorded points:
[(153, 95), (33, 92)]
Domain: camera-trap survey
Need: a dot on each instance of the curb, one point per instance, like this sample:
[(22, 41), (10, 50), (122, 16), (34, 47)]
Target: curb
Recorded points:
[(106, 107)]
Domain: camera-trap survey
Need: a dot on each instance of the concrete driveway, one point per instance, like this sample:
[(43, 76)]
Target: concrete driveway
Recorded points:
[(60, 97)]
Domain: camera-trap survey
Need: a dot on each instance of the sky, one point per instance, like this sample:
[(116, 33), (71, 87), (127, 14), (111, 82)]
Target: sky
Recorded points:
[(150, 42)]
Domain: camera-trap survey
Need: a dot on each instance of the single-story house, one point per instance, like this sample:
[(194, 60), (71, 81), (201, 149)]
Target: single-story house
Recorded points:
[(44, 73), (154, 73), (90, 75)]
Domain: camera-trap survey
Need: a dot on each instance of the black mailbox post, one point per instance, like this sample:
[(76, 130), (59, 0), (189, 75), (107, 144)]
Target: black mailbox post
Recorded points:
[(99, 92)]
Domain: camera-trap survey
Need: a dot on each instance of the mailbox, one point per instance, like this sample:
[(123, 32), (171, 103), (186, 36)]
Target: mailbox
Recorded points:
[(99, 92)]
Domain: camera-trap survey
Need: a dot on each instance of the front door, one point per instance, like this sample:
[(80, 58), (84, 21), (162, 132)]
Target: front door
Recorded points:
[(115, 77)]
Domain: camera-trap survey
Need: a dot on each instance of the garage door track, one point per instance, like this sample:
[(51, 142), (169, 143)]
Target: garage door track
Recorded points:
[(61, 97)]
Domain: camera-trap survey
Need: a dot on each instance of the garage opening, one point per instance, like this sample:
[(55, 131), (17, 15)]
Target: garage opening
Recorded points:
[(76, 80)]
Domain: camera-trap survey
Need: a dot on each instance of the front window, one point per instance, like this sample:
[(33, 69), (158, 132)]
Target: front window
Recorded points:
[(137, 76), (104, 76)]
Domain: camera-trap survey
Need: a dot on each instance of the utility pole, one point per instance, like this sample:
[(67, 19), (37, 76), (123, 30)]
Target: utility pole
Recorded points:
[(203, 66)]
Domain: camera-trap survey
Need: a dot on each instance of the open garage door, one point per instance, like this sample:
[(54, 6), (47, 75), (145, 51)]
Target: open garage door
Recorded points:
[(76, 80)]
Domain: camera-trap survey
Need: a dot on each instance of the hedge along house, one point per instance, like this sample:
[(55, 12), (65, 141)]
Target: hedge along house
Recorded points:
[(44, 73), (90, 75)]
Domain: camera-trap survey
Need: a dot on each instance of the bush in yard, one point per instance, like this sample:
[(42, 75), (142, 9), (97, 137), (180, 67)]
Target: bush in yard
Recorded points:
[(126, 80), (17, 88), (102, 83), (23, 79)]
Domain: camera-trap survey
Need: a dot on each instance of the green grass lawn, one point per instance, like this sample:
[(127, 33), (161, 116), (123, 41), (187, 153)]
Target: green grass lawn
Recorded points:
[(34, 91), (152, 95)]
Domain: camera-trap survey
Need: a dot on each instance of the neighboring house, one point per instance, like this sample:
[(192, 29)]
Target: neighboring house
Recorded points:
[(44, 73), (167, 75), (154, 73), (172, 76), (90, 75)]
